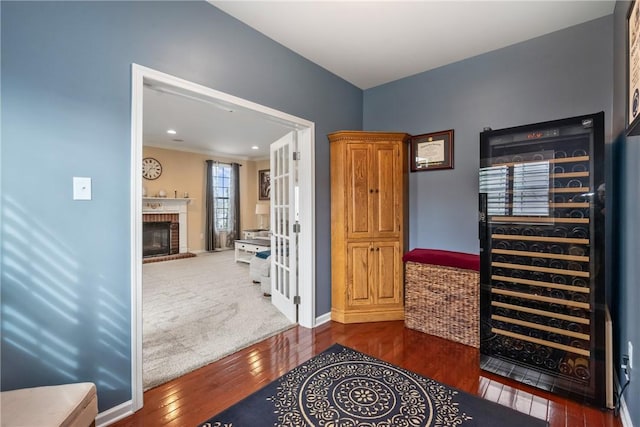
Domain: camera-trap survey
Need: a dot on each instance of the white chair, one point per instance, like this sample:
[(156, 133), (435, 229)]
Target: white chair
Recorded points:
[(260, 270), (259, 266), (68, 405)]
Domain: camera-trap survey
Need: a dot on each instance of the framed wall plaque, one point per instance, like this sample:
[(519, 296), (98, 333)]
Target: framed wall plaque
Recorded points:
[(432, 151)]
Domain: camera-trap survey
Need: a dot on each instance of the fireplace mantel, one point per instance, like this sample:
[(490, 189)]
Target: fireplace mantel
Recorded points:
[(163, 205)]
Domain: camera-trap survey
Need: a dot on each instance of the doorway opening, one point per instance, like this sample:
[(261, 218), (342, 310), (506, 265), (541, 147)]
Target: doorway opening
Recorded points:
[(304, 266)]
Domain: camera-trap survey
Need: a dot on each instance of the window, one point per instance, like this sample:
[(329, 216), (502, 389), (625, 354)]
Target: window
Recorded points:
[(494, 181), (531, 189), (529, 192), (221, 182)]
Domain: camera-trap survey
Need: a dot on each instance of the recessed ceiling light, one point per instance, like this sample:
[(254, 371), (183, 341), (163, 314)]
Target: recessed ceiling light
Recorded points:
[(171, 132), (255, 147), (177, 140)]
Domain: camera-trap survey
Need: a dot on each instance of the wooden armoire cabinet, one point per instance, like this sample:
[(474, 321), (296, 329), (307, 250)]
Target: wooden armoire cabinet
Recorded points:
[(369, 174)]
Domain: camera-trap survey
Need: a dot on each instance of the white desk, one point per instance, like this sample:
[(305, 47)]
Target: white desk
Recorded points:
[(244, 249), (257, 233)]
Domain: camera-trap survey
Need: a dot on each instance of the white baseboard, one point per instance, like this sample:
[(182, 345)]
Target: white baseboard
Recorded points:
[(114, 414), (323, 319), (625, 416)]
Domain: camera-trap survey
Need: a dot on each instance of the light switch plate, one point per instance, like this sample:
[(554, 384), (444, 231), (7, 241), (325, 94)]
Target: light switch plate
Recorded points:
[(81, 188)]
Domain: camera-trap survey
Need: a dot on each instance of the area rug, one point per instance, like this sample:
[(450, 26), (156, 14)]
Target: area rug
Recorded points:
[(345, 388)]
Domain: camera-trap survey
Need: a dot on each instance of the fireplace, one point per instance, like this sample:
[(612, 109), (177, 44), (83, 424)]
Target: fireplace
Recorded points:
[(161, 209), (160, 235)]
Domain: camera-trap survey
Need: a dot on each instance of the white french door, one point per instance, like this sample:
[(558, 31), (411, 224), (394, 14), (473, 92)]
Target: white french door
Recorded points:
[(284, 218)]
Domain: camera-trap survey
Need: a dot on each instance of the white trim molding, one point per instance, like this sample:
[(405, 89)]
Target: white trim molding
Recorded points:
[(306, 140), (137, 89), (114, 414), (324, 318), (625, 416)]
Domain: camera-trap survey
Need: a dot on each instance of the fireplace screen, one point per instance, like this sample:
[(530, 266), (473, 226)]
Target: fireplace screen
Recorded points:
[(156, 239)]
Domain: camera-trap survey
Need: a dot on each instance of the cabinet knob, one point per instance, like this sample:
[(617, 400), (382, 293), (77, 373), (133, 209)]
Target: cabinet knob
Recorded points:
[(377, 249), (376, 190), (371, 191), (371, 249)]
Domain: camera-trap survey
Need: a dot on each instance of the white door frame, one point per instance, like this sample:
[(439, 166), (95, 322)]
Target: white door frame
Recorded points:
[(306, 144)]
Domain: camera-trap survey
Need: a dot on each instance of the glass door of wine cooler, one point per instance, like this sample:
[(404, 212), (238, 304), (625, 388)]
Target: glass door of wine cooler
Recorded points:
[(542, 247)]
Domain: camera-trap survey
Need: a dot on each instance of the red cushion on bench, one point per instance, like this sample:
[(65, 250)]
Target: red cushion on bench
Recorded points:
[(445, 258)]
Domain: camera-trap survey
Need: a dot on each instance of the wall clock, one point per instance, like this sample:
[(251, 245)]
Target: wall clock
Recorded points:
[(151, 168)]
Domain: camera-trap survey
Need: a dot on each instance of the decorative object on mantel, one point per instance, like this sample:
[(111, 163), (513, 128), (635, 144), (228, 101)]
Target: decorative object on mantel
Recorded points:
[(159, 202), (432, 151), (162, 193)]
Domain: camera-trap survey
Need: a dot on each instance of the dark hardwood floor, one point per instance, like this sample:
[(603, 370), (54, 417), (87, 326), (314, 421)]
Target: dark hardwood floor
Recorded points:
[(195, 397)]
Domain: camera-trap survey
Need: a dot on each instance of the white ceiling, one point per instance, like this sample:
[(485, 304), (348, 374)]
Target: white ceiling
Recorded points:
[(369, 43), (366, 43), (205, 126)]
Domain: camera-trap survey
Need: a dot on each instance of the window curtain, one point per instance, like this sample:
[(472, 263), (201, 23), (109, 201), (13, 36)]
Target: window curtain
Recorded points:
[(234, 205), (212, 236), (222, 239)]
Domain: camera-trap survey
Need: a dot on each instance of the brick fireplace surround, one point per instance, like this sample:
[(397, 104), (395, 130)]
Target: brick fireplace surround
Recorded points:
[(174, 211)]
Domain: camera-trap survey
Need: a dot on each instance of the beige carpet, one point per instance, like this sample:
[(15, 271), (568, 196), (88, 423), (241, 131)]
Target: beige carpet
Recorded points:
[(198, 310)]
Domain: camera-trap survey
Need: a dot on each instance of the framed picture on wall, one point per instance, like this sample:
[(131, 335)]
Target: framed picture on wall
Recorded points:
[(264, 184), (633, 69), (432, 151)]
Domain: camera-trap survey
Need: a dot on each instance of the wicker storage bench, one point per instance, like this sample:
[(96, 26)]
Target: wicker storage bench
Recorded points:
[(442, 294)]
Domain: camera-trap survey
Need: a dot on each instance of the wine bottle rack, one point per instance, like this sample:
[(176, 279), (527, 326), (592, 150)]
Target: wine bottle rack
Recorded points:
[(541, 233)]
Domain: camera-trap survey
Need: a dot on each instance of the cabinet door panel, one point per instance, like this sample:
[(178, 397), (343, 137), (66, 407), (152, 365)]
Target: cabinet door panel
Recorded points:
[(388, 190), (358, 191), (359, 274), (389, 283)]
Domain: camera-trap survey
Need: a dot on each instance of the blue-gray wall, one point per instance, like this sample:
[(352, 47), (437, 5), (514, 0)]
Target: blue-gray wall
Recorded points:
[(627, 151), (576, 71), (563, 74), (66, 83), (65, 112)]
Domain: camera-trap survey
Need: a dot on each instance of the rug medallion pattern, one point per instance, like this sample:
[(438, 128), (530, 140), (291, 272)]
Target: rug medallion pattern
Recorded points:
[(350, 389)]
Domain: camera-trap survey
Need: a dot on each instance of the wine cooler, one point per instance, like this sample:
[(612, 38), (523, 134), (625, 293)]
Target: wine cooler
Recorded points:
[(541, 227)]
